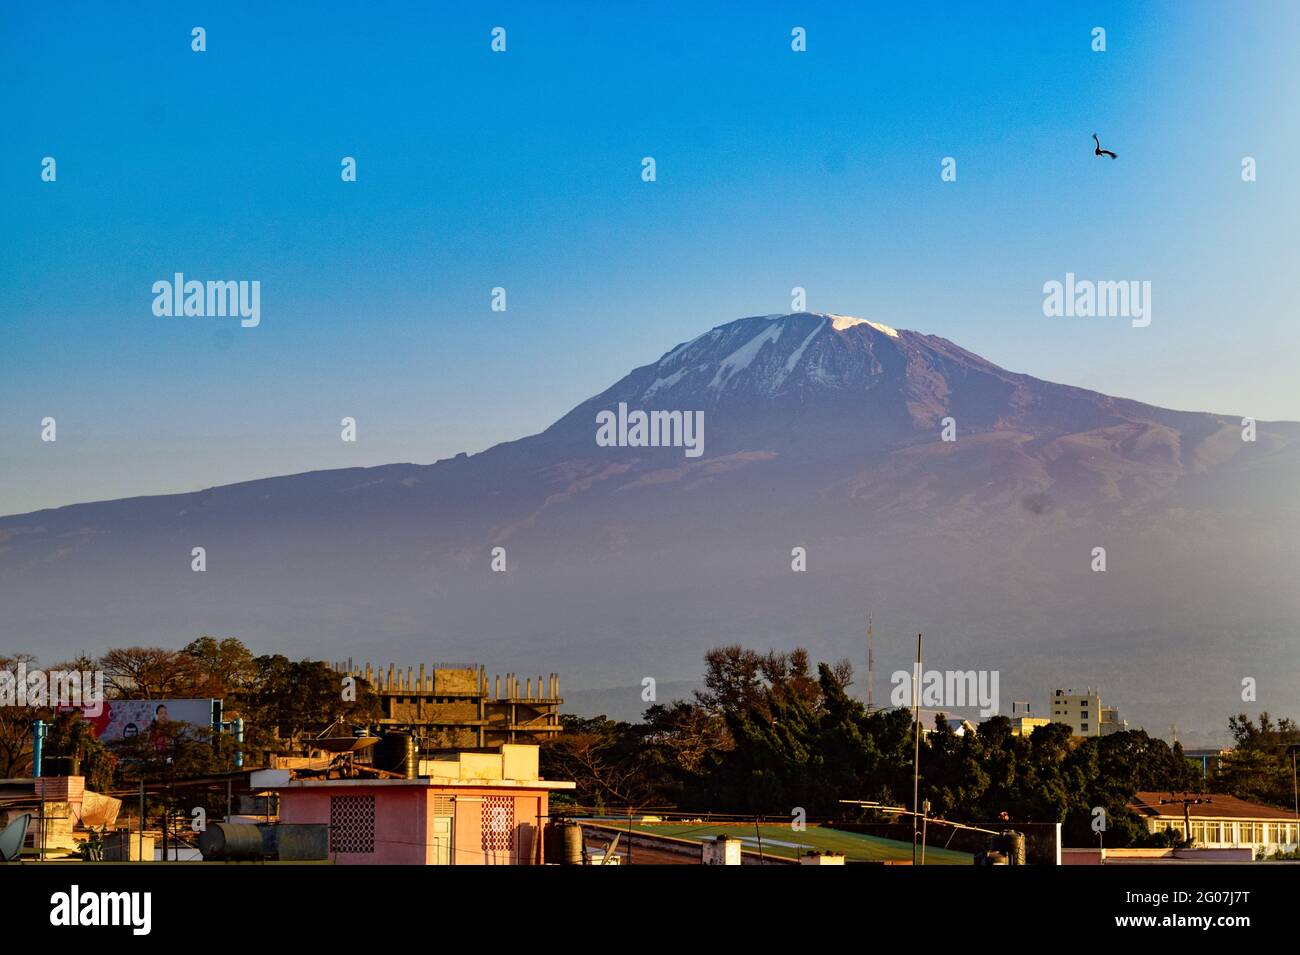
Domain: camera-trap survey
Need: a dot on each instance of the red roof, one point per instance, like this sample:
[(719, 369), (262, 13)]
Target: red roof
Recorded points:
[(1220, 806)]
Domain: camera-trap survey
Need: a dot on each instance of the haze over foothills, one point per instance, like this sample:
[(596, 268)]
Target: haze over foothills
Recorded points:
[(774, 171), (624, 561)]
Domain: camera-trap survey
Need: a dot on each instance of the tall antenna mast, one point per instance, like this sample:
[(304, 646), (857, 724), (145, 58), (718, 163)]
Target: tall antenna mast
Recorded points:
[(871, 665), (916, 753)]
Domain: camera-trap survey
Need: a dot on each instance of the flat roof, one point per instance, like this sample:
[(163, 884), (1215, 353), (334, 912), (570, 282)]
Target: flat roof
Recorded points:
[(428, 782), (778, 839)]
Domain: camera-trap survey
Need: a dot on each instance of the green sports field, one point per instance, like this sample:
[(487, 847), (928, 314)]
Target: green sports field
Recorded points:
[(781, 840)]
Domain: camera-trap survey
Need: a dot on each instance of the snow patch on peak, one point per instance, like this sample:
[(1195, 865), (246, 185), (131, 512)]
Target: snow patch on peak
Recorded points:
[(798, 352), (741, 358), (842, 322), (659, 384)]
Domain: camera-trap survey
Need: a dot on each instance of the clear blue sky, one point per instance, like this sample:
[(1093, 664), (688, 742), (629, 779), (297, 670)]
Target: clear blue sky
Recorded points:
[(522, 170)]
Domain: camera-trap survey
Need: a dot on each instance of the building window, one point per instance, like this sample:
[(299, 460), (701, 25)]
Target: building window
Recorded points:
[(352, 824), (498, 823)]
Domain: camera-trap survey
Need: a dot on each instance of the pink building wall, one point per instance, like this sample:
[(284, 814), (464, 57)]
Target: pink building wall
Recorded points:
[(490, 825)]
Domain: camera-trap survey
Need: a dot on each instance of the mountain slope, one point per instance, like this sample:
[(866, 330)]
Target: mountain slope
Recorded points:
[(819, 431)]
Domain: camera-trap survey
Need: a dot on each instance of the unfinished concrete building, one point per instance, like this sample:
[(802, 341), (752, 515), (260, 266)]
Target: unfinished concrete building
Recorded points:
[(453, 706)]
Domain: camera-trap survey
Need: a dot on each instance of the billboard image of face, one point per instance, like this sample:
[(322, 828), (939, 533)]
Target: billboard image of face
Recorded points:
[(125, 719)]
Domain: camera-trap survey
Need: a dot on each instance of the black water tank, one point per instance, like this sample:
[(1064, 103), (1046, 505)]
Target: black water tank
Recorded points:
[(231, 840), (563, 842), (1012, 844), (396, 752)]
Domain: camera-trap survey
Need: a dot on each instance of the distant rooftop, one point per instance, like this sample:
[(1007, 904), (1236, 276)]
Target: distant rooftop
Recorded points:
[(1220, 806)]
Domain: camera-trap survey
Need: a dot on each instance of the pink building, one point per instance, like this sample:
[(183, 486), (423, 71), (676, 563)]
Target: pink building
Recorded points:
[(466, 809)]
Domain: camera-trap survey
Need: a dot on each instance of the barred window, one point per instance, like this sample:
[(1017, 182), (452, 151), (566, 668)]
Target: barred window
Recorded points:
[(498, 823), (352, 824)]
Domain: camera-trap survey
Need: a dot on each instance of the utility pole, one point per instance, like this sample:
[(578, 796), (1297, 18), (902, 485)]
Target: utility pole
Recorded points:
[(925, 808), (871, 666), (916, 751), (1295, 787), (1187, 802)]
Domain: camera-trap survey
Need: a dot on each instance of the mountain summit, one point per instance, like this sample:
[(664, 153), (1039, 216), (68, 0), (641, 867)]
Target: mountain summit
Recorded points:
[(813, 386), (937, 490)]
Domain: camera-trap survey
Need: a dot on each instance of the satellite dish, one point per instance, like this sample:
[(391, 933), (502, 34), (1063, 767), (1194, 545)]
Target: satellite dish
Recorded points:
[(11, 839), (343, 744)]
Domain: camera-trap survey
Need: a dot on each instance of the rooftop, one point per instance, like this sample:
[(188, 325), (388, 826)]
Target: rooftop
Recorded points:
[(1220, 806)]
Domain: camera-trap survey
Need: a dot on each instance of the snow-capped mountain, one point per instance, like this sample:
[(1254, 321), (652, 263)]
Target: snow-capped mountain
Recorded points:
[(820, 432)]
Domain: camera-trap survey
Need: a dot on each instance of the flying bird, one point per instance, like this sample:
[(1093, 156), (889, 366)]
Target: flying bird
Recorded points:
[(1099, 151)]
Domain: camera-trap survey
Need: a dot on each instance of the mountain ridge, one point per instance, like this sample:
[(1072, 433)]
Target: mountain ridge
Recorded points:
[(631, 561)]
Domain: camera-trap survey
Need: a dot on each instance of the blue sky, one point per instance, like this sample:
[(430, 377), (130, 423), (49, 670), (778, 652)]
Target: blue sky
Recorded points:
[(522, 169)]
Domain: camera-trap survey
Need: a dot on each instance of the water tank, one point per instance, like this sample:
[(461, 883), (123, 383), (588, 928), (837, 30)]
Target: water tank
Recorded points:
[(396, 752), (301, 842), (564, 842), (231, 840), (1012, 844), (1005, 848)]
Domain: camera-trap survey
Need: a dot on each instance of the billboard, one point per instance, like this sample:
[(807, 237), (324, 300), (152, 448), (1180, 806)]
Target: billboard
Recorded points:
[(124, 719)]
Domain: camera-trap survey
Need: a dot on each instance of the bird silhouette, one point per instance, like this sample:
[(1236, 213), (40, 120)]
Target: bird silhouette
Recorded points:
[(1099, 151)]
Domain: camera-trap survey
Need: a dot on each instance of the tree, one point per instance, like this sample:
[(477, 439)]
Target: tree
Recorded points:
[(16, 726), (225, 667), (1259, 767), (285, 699), (604, 757), (152, 673), (72, 739)]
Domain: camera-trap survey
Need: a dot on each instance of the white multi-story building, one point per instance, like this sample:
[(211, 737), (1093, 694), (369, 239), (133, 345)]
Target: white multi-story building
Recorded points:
[(1085, 714)]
